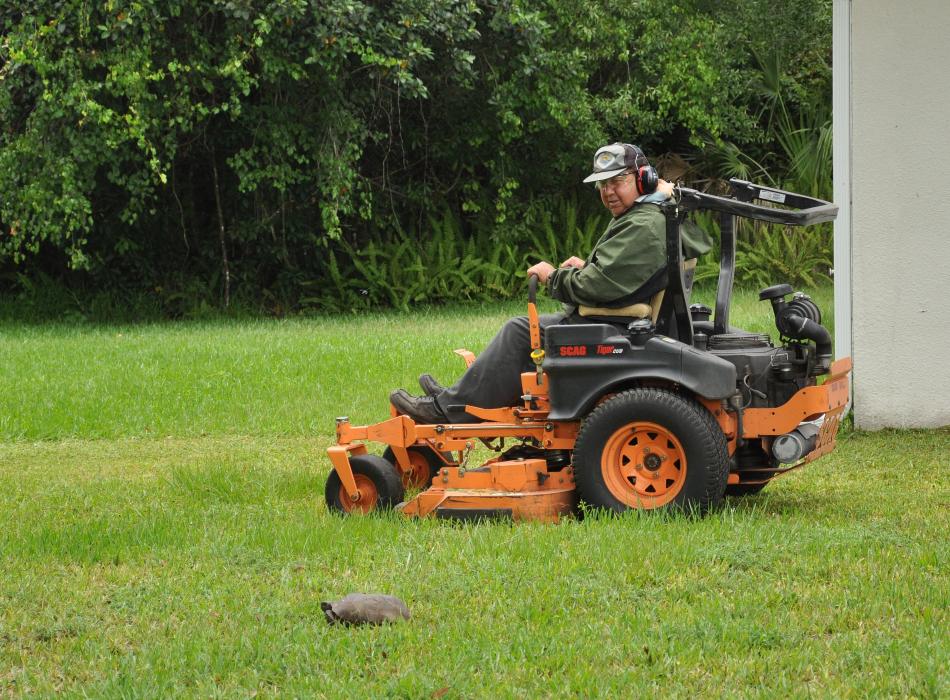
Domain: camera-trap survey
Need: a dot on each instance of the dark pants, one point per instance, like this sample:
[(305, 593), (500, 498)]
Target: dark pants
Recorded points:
[(494, 379)]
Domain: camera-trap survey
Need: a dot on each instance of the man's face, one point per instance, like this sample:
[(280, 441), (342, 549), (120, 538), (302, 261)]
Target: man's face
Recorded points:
[(618, 193)]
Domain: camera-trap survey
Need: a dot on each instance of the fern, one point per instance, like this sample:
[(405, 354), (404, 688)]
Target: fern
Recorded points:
[(784, 254)]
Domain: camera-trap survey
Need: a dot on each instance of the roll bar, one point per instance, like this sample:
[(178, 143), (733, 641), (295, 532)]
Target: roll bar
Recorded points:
[(803, 210), (799, 210)]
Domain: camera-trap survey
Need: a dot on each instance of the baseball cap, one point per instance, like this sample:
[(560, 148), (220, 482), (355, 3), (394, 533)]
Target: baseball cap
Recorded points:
[(614, 159)]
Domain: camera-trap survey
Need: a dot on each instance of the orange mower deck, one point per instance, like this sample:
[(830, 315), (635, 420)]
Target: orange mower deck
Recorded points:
[(528, 489)]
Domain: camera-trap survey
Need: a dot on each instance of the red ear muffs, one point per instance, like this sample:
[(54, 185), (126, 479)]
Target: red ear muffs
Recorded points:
[(647, 179)]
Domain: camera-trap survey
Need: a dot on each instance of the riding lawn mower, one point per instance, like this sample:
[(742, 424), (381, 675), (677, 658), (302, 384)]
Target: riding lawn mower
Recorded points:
[(672, 410)]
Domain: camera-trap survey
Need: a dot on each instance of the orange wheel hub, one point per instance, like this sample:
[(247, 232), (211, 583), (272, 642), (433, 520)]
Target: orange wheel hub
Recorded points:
[(369, 496), (418, 476), (643, 465)]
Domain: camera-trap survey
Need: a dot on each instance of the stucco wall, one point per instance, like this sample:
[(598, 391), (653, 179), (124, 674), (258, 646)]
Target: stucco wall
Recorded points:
[(900, 212)]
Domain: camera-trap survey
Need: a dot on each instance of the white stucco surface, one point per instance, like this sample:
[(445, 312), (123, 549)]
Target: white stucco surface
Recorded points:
[(900, 212)]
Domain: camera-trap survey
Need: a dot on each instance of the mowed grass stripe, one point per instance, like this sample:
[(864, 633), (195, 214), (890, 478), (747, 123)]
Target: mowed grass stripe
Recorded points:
[(244, 377), (263, 378)]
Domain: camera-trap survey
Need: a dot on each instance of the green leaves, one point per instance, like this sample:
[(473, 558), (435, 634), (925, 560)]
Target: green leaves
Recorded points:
[(768, 254), (332, 122), (403, 270), (798, 256)]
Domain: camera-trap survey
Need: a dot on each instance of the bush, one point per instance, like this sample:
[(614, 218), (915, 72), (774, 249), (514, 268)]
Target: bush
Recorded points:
[(253, 146)]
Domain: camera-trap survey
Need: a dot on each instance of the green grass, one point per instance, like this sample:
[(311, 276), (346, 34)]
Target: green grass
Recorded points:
[(244, 377), (162, 533)]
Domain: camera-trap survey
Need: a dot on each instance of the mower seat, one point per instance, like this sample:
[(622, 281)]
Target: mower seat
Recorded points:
[(651, 311)]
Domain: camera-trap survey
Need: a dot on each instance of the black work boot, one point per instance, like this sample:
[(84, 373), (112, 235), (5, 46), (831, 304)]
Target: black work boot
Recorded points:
[(422, 409), (430, 386)]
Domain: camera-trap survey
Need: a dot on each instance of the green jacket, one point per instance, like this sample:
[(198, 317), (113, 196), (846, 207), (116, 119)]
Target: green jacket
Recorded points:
[(628, 263), (630, 253)]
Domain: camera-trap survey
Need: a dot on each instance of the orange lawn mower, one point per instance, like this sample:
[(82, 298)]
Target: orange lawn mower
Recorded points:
[(668, 410)]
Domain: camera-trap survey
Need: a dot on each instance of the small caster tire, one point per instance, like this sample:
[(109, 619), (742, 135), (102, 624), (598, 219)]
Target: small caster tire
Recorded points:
[(425, 465), (378, 482)]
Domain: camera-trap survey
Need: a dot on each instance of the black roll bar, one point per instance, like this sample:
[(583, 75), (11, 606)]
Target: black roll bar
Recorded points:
[(801, 210)]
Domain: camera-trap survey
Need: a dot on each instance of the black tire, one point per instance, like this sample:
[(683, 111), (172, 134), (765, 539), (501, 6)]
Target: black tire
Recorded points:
[(649, 449), (378, 481), (427, 457)]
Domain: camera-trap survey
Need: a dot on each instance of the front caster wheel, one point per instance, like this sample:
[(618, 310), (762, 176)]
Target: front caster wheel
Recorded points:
[(425, 465), (648, 449), (377, 480)]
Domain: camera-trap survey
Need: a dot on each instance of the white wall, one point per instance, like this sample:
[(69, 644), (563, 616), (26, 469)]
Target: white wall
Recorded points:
[(899, 209)]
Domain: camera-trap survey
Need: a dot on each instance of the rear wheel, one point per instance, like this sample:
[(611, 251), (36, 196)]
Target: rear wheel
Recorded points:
[(425, 465), (649, 449), (377, 481)]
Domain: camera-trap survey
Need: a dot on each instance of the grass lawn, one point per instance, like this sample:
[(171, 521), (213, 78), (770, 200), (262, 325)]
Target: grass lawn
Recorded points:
[(162, 532)]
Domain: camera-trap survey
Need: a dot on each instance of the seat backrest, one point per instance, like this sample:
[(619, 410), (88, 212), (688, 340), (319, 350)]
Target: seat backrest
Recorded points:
[(655, 303), (651, 310), (689, 271)]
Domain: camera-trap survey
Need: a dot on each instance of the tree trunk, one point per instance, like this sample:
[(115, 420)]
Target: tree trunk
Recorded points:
[(224, 249)]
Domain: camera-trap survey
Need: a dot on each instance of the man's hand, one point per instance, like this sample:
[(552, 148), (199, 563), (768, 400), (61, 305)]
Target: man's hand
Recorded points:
[(543, 270), (573, 261), (664, 187)]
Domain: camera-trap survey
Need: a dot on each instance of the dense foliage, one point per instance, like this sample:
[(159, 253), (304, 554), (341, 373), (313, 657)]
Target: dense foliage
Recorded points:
[(289, 152)]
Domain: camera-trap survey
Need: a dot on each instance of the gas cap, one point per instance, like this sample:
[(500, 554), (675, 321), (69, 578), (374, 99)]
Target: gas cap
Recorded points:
[(640, 330)]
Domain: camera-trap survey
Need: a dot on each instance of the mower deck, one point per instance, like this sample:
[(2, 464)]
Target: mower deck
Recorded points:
[(516, 489)]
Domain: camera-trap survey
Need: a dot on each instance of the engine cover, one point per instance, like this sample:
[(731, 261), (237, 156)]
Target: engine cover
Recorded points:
[(585, 361), (758, 376)]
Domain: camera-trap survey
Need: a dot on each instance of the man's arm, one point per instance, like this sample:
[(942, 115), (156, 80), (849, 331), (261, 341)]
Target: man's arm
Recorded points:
[(544, 269)]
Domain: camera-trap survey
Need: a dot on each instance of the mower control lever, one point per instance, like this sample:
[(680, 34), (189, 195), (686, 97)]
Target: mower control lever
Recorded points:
[(533, 324), (534, 327)]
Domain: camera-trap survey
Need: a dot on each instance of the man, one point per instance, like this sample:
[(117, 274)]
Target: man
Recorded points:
[(626, 266)]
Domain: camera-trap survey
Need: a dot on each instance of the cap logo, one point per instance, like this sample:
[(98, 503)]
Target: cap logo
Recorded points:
[(604, 159)]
